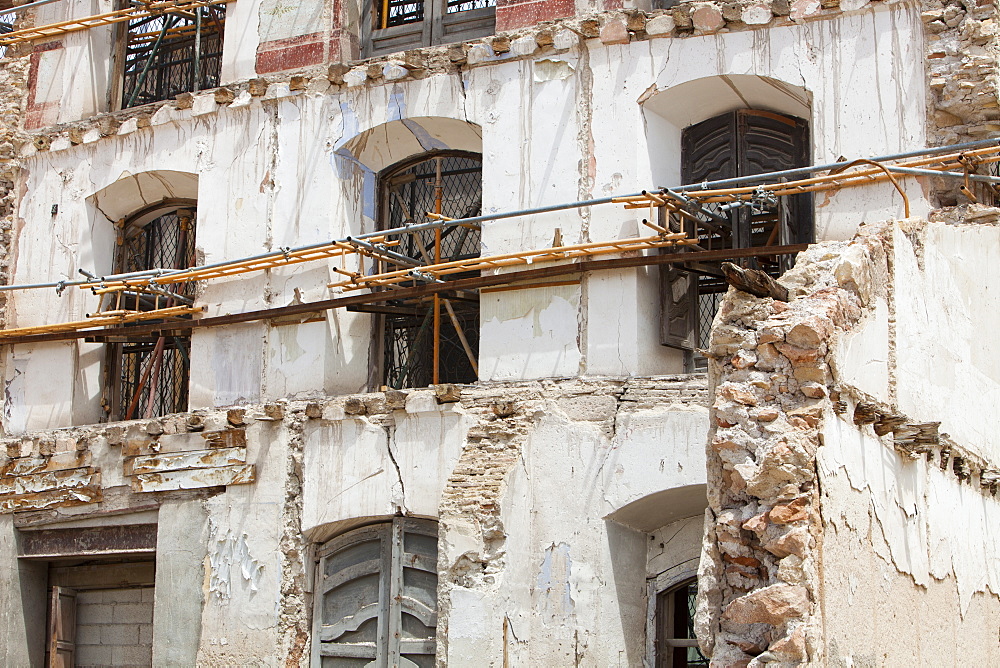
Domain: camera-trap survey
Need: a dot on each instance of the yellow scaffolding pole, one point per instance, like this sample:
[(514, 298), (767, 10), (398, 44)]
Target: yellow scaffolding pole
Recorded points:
[(98, 20)]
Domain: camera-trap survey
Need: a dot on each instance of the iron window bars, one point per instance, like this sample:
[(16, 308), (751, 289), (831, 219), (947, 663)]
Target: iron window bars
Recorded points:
[(148, 374), (676, 642), (452, 185), (398, 25), (173, 53)]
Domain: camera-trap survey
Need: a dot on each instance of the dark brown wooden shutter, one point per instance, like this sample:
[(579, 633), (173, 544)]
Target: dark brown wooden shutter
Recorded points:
[(62, 628)]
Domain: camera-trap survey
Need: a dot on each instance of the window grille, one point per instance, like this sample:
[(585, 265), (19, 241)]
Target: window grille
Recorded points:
[(170, 54), (409, 192), (676, 642), (148, 375), (398, 25), (376, 596), (738, 143), (7, 21)]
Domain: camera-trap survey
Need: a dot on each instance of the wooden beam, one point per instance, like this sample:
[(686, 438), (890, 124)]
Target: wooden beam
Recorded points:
[(754, 282)]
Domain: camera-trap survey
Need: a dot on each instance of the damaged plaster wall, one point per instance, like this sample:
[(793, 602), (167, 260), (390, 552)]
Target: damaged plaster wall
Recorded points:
[(532, 561), (805, 493), (290, 172)]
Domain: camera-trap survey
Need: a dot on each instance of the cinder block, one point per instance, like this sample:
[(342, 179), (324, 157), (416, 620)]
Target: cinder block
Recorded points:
[(148, 594), (120, 634), (146, 634), (123, 596), (133, 613), (136, 655), (100, 613), (93, 655), (88, 634)]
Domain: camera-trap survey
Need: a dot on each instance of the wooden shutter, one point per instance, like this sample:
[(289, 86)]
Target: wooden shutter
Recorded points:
[(376, 596), (439, 26), (61, 649)]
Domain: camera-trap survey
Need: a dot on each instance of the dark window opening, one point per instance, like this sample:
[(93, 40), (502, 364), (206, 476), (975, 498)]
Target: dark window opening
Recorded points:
[(676, 643), (7, 21), (376, 599), (449, 184), (173, 53), (739, 143), (148, 374), (398, 25)]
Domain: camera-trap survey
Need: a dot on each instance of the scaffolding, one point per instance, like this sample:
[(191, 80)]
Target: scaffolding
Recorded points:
[(373, 272), (136, 11)]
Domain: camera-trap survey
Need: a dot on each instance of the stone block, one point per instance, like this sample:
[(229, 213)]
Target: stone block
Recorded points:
[(565, 39), (801, 9), (757, 14), (203, 104), (614, 32), (479, 53), (775, 605), (524, 46), (660, 25), (394, 71), (356, 77), (707, 17)]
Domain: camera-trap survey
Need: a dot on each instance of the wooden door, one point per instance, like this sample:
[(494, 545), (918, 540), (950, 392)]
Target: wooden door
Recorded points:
[(61, 651)]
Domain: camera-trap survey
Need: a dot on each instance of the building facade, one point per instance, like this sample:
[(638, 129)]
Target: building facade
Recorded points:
[(548, 448)]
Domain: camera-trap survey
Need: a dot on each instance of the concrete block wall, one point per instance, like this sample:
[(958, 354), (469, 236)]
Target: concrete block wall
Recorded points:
[(114, 627)]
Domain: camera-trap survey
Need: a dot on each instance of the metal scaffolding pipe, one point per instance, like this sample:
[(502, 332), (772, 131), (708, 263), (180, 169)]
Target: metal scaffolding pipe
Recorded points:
[(804, 171), (439, 224)]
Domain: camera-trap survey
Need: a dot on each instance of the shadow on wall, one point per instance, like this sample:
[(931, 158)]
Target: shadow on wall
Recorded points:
[(667, 112)]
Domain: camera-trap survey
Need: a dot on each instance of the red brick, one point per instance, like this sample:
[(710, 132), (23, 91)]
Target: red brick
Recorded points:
[(291, 53), (515, 14)]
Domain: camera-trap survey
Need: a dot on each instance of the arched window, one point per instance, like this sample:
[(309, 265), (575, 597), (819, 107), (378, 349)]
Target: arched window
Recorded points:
[(147, 375), (676, 643), (738, 143), (376, 596), (424, 341)]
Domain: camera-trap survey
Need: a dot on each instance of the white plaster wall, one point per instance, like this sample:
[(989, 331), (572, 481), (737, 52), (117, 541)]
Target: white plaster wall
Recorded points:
[(357, 469), (947, 306), (241, 613), (909, 569), (572, 585)]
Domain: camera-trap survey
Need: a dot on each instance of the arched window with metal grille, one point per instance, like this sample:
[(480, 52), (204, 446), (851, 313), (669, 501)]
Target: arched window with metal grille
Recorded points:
[(147, 375), (376, 596), (435, 340)]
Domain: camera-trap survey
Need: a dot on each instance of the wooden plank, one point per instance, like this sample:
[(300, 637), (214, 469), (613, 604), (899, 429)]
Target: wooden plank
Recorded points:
[(193, 478), (187, 442), (49, 480), (198, 459), (60, 461), (50, 499)]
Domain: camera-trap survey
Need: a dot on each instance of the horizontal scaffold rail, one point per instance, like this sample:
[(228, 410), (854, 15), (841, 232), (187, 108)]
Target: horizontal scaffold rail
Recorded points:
[(419, 291), (411, 279), (136, 11), (102, 320)]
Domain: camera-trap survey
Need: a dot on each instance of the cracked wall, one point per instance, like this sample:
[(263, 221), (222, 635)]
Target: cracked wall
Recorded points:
[(830, 479)]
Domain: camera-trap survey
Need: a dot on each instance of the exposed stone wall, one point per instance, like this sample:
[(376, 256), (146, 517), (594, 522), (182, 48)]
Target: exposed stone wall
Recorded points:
[(13, 98), (777, 394)]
